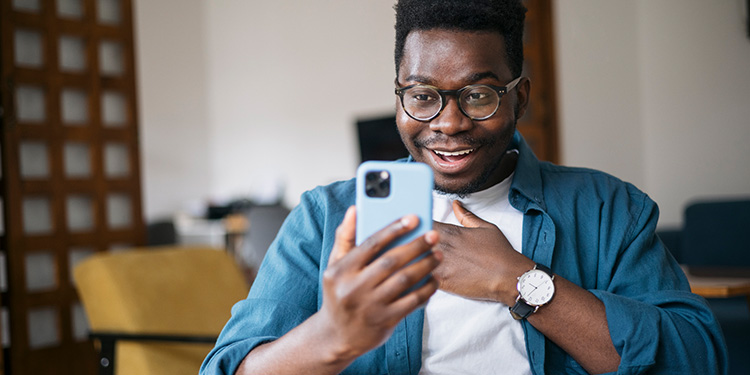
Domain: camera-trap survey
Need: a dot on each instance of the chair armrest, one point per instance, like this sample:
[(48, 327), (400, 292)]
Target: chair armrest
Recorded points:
[(109, 339), (115, 336)]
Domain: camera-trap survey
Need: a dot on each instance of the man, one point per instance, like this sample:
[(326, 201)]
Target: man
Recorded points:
[(599, 292)]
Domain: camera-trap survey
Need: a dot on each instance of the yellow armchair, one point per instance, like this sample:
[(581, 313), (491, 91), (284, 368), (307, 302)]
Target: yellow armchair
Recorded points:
[(158, 310)]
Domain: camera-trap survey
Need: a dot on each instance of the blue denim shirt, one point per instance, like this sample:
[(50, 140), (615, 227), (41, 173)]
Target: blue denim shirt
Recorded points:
[(589, 227)]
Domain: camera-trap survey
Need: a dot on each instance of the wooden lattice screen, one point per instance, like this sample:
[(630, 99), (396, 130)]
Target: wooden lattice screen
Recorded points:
[(70, 168)]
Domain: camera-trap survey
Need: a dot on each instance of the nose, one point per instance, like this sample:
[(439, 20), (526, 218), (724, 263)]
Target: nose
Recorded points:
[(451, 120)]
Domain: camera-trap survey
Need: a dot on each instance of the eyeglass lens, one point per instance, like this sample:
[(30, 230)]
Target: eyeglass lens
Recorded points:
[(479, 101), (475, 101)]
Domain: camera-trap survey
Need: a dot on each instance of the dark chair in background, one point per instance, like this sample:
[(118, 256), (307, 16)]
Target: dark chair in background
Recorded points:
[(716, 234), (161, 233), (713, 242), (265, 221), (672, 239)]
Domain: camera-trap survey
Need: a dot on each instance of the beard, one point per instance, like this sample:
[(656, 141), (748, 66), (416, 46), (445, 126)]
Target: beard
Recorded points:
[(479, 182), (474, 185)]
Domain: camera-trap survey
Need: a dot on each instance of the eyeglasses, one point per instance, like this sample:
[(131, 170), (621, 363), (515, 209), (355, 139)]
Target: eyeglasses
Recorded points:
[(477, 102)]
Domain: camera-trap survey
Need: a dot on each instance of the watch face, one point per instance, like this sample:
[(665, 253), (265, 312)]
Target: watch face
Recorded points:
[(536, 287)]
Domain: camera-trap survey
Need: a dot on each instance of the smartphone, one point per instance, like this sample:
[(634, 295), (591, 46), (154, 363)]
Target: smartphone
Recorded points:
[(387, 191)]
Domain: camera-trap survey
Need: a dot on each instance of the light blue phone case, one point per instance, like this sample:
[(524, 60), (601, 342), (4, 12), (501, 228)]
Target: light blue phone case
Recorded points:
[(410, 193)]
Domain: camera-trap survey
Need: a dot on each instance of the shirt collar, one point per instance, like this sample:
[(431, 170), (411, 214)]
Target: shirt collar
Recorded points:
[(527, 181)]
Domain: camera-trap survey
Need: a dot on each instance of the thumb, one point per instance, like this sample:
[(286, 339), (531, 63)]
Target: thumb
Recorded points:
[(467, 218), (345, 236)]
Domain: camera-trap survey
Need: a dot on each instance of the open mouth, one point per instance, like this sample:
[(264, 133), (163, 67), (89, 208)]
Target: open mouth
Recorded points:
[(453, 156)]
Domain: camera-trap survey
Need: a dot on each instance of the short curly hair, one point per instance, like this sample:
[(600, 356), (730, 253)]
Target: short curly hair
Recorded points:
[(503, 16)]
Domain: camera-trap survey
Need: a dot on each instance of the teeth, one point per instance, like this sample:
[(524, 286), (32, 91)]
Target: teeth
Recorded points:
[(455, 153)]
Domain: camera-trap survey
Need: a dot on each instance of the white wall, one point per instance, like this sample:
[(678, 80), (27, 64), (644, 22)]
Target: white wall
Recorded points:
[(174, 131), (598, 91), (255, 93), (287, 79), (657, 93), (695, 91)]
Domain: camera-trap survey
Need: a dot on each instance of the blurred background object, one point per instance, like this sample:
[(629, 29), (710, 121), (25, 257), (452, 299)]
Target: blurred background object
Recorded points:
[(158, 311)]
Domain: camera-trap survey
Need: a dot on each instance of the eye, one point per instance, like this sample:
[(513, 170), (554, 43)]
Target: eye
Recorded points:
[(476, 96), (480, 96), (422, 96)]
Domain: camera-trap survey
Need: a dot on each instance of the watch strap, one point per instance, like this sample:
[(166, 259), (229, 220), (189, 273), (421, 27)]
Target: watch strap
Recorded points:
[(521, 310), (544, 268)]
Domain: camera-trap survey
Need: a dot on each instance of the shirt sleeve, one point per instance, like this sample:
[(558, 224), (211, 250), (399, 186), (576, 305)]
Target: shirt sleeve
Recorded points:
[(283, 295), (656, 324)]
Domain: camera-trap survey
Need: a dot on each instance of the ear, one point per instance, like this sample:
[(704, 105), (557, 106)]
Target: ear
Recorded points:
[(523, 90)]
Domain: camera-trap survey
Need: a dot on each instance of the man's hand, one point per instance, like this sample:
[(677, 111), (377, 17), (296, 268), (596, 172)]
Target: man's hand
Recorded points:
[(479, 261), (364, 296)]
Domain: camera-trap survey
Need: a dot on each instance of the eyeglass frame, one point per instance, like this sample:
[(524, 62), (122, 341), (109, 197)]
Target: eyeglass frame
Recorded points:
[(501, 90)]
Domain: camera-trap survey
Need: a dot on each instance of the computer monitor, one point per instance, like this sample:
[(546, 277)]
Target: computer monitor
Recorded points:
[(379, 139)]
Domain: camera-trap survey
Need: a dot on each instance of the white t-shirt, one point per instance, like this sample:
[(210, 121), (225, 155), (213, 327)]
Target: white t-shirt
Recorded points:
[(465, 336)]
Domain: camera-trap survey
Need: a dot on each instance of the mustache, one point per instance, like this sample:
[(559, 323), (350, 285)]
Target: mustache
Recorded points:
[(464, 139)]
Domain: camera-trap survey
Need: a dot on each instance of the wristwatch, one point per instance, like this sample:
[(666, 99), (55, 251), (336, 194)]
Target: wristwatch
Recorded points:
[(535, 288)]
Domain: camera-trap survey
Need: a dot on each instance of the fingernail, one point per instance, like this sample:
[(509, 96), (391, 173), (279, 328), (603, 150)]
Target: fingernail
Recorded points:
[(431, 237), (407, 220)]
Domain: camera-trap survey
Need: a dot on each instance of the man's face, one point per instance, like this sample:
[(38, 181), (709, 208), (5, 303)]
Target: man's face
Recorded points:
[(464, 154)]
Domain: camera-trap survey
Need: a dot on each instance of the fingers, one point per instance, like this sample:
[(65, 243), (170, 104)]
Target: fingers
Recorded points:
[(363, 295), (386, 266), (466, 217), (411, 301), (393, 292), (345, 236), (401, 281), (364, 253)]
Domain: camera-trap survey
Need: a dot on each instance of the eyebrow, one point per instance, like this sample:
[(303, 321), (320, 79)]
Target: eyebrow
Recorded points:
[(471, 78), (480, 76)]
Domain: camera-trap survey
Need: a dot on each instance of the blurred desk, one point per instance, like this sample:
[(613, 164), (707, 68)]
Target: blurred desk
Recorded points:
[(227, 233), (715, 284), (711, 287)]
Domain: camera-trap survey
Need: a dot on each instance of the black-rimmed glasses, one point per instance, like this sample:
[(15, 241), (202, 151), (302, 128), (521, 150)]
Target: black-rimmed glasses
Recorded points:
[(477, 102)]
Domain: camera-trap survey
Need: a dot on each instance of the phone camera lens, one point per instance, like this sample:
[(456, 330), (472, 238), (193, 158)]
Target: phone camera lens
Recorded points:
[(377, 184)]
